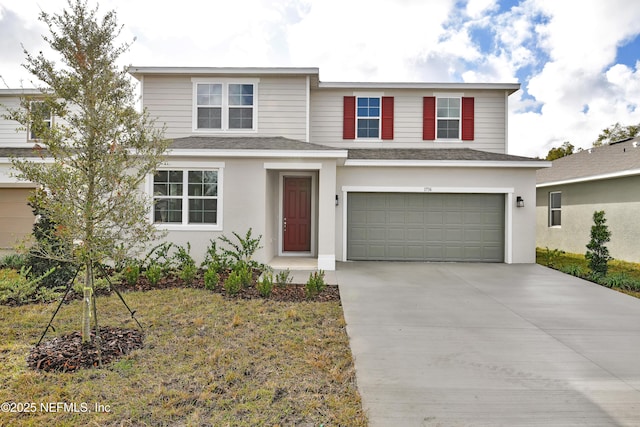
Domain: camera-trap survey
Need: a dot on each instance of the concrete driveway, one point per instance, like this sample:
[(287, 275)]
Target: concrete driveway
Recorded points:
[(490, 344)]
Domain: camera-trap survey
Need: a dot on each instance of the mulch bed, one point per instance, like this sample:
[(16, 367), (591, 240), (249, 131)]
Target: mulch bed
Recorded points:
[(288, 293), (68, 354)]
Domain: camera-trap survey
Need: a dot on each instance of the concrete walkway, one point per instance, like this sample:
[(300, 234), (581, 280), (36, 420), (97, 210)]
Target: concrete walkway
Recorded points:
[(490, 345)]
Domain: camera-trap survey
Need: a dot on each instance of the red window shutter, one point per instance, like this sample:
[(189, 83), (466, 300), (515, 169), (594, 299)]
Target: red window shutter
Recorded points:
[(349, 118), (468, 119), (429, 118), (387, 117)]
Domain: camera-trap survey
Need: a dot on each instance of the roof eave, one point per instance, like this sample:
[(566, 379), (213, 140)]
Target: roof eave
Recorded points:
[(257, 153), (612, 175), (138, 71), (449, 163), (509, 87)]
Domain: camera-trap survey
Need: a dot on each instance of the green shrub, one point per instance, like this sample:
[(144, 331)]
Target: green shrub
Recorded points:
[(131, 273), (574, 270), (213, 257), (211, 279), (186, 265), (264, 285), (597, 253), (315, 285), (243, 250), (552, 256), (160, 255), (154, 273), (233, 284), (284, 278), (621, 281), (16, 287), (244, 272), (15, 261), (99, 283)]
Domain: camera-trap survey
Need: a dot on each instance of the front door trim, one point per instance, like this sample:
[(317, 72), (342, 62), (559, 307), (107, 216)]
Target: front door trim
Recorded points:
[(314, 197)]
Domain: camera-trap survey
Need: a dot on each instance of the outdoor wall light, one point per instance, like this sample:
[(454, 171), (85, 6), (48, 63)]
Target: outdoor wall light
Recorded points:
[(519, 202), (336, 200)]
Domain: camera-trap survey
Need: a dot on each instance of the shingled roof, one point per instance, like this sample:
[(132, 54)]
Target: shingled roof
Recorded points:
[(243, 143), (432, 154), (594, 163)]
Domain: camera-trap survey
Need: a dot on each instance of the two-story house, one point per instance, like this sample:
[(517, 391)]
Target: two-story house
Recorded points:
[(339, 171)]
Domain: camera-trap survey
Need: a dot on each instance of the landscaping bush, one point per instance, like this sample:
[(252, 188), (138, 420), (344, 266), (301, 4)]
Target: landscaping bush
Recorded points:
[(234, 283), (211, 278), (552, 256), (131, 272), (14, 261), (154, 273), (620, 281), (597, 253), (574, 270), (16, 287), (243, 251), (161, 257), (187, 269), (284, 278), (315, 284), (264, 285)]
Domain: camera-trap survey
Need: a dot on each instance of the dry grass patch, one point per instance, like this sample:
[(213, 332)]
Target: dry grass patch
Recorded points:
[(206, 360)]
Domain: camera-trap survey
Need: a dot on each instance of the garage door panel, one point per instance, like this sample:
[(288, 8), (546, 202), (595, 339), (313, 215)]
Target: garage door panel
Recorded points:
[(16, 217), (425, 227)]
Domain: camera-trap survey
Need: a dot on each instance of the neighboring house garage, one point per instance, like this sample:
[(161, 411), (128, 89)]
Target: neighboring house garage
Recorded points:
[(425, 227), (16, 217)]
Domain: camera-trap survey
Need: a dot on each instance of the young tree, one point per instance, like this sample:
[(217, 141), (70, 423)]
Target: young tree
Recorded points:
[(597, 252), (102, 148)]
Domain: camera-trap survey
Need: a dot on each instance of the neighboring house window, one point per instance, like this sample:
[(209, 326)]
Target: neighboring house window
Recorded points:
[(368, 117), (555, 209), (40, 110), (224, 106), (186, 197), (448, 117)]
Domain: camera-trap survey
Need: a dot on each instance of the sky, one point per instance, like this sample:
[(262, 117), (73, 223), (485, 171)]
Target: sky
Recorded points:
[(578, 61)]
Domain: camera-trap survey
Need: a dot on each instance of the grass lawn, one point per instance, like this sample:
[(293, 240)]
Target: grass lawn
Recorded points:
[(206, 360)]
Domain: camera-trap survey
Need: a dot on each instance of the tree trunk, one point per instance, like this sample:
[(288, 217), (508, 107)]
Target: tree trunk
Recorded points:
[(86, 304)]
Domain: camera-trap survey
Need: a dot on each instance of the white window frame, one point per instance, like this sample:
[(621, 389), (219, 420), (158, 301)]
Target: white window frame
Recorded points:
[(30, 137), (552, 209), (379, 117), (457, 96), (185, 225), (224, 82)]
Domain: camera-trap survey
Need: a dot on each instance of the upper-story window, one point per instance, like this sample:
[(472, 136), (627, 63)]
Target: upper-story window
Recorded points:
[(368, 117), (555, 209), (448, 118), (225, 106), (41, 114)]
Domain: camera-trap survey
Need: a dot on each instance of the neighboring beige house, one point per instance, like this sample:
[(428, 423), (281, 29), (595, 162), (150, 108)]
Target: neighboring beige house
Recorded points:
[(605, 178), (339, 171)]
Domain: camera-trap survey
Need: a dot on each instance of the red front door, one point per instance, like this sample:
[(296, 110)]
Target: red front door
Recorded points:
[(296, 214)]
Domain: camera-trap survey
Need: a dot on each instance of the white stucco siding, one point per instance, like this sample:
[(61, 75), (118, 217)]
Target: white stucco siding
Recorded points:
[(280, 104), (618, 198), (490, 120), (519, 222)]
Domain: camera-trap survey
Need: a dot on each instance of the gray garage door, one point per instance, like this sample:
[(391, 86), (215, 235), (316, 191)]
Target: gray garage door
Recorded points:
[(425, 227)]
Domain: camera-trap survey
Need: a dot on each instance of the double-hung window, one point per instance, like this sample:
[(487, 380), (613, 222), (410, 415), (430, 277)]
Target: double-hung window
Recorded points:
[(368, 117), (225, 106), (186, 197), (555, 209), (448, 118), (41, 118)]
